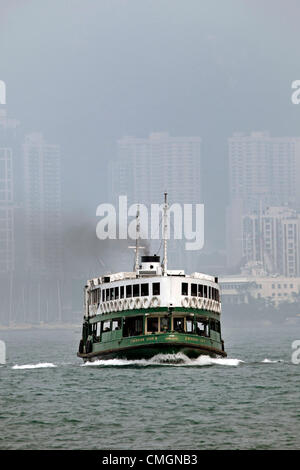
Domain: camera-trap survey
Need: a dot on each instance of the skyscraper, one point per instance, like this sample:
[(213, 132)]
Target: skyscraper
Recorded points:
[(264, 172), (42, 198), (6, 211), (8, 129), (146, 167), (273, 238)]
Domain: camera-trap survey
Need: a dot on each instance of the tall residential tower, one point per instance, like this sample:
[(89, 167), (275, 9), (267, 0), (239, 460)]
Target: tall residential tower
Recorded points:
[(147, 167)]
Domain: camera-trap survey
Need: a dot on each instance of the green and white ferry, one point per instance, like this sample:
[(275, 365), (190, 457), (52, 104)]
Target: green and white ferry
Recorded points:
[(151, 310)]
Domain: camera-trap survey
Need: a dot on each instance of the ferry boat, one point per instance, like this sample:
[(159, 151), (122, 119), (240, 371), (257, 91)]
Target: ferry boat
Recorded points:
[(151, 310)]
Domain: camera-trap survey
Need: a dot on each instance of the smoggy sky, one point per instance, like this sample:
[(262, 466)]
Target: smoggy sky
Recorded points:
[(86, 72)]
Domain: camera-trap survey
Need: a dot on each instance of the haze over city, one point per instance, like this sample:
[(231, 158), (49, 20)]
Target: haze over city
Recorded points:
[(82, 77)]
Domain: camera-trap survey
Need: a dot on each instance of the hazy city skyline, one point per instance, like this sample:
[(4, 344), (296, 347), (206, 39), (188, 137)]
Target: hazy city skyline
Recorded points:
[(99, 71), (96, 73)]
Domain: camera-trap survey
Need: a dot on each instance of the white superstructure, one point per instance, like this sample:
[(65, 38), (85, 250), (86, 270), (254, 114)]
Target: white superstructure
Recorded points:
[(149, 288)]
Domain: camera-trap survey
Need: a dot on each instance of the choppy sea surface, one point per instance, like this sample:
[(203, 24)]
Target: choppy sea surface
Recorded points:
[(250, 400)]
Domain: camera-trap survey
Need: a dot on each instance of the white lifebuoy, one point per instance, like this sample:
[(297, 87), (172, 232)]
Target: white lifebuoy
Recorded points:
[(138, 303), (146, 303), (120, 305), (125, 304), (131, 304), (115, 305), (185, 302), (193, 302), (155, 302), (200, 302)]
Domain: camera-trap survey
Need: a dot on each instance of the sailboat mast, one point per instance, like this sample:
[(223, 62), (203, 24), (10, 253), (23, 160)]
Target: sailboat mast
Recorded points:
[(165, 234)]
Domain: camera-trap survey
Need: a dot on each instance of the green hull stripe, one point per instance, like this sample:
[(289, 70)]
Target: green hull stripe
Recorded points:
[(160, 340)]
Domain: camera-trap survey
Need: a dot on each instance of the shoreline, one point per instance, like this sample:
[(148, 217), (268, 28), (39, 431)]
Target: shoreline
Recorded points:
[(42, 326)]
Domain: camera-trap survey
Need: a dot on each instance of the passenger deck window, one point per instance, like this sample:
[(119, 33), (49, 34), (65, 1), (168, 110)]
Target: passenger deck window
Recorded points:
[(178, 324), (94, 297), (122, 292), (106, 326), (144, 289), (156, 288), (184, 288), (116, 324), (164, 324), (116, 292), (136, 290), (128, 291), (133, 326), (202, 328), (107, 294), (205, 291), (189, 325), (194, 290), (215, 325), (112, 293), (200, 290), (152, 324), (103, 295)]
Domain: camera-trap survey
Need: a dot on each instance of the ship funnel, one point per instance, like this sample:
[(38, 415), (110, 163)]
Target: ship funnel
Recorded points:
[(150, 266)]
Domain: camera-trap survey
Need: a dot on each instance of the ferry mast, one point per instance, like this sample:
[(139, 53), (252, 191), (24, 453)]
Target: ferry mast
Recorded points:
[(165, 235), (138, 229)]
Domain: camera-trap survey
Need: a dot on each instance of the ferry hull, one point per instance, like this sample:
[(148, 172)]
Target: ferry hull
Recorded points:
[(164, 345)]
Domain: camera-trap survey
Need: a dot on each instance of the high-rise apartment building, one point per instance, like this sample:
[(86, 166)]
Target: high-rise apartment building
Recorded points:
[(6, 211), (272, 237), (8, 129), (264, 172), (147, 167), (42, 200)]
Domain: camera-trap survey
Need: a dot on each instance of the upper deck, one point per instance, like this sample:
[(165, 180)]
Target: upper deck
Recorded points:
[(148, 288)]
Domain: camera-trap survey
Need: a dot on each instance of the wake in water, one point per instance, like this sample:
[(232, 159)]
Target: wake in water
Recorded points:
[(270, 361), (41, 365), (178, 359), (175, 360)]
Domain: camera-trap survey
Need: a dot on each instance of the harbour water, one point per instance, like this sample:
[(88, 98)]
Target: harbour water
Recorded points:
[(250, 400)]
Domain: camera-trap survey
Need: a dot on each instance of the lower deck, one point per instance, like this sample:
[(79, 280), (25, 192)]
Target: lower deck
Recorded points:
[(148, 346), (143, 335)]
